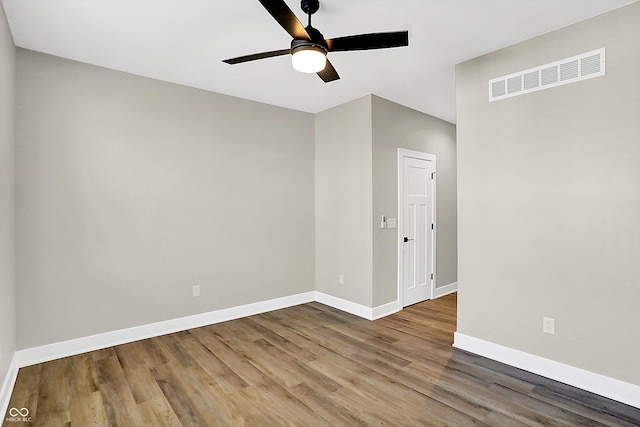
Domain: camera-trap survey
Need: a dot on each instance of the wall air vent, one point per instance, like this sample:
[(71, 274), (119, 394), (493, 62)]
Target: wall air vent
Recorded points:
[(568, 70)]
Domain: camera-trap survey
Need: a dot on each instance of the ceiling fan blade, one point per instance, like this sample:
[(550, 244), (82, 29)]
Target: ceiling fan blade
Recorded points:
[(369, 41), (255, 56), (286, 18), (329, 73)]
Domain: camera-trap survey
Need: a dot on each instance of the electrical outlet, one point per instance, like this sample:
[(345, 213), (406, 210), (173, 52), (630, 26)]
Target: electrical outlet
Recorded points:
[(341, 279), (548, 325), (196, 291)]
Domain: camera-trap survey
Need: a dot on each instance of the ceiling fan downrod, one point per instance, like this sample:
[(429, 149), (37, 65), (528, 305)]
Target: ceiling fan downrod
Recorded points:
[(310, 7)]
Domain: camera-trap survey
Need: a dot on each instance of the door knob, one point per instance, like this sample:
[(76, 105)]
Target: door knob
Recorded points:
[(406, 239)]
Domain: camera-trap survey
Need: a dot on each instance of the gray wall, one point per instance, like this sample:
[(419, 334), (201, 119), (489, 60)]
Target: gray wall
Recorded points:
[(549, 202), (7, 198), (357, 182), (396, 126), (343, 201), (131, 191)]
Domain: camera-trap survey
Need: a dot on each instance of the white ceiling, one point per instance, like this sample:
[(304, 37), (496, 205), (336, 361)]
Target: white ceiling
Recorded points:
[(185, 41)]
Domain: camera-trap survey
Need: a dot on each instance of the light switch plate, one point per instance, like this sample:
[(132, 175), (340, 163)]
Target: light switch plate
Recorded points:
[(391, 223)]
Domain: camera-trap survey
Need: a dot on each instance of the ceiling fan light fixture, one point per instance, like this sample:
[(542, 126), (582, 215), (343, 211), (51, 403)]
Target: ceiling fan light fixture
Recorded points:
[(309, 48), (309, 58)]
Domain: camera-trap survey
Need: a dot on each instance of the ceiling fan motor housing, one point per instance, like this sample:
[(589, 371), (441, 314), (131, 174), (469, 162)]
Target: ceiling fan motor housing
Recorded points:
[(297, 44), (315, 37)]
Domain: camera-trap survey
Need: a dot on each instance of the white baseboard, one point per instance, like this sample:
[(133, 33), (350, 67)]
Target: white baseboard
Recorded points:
[(32, 356), (599, 384), (45, 353), (385, 310), (358, 309), (344, 305), (7, 385), (445, 290)]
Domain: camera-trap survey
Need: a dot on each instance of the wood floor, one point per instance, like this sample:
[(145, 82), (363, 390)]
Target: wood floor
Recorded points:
[(309, 365)]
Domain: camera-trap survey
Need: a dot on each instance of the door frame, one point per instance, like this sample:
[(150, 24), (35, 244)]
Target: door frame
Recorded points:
[(402, 154)]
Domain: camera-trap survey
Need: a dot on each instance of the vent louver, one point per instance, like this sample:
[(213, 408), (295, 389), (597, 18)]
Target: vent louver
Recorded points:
[(569, 70), (549, 75), (499, 88), (532, 80)]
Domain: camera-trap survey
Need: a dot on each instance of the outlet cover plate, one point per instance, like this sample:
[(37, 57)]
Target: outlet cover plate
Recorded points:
[(548, 325)]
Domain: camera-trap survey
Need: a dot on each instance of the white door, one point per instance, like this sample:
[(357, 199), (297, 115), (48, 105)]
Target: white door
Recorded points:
[(416, 230)]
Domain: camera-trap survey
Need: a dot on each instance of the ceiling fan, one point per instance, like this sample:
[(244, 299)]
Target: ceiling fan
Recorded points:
[(309, 48)]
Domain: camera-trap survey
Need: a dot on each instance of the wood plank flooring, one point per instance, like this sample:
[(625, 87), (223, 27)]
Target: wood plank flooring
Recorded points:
[(309, 365)]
